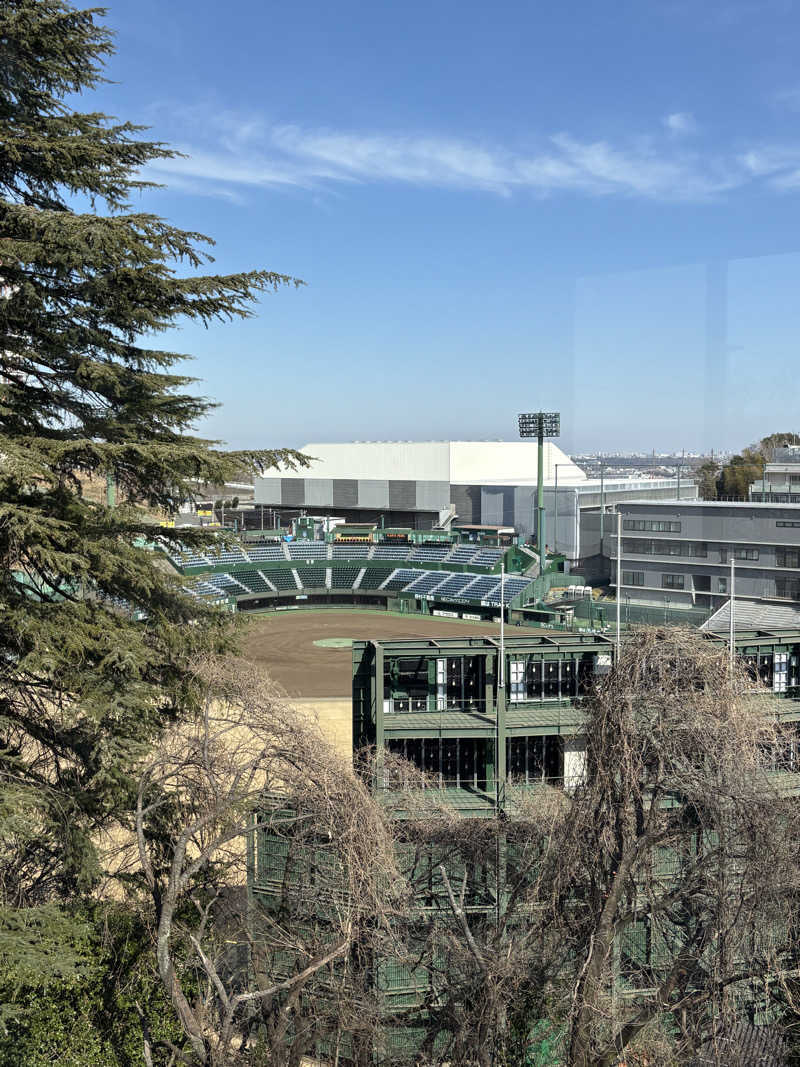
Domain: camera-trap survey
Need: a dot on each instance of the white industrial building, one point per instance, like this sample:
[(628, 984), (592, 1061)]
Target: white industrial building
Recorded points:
[(427, 484)]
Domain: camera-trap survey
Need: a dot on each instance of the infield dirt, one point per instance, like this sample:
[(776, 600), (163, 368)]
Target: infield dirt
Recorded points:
[(283, 642)]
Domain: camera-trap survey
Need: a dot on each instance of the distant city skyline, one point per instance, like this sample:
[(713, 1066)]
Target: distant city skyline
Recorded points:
[(494, 208)]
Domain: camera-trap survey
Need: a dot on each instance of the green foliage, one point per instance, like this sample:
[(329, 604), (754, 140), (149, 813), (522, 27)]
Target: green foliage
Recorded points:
[(545, 1045), (96, 642), (88, 1018), (42, 946), (733, 480), (777, 440), (738, 474), (707, 478)]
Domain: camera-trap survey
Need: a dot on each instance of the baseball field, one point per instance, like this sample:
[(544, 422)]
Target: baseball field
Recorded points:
[(308, 653)]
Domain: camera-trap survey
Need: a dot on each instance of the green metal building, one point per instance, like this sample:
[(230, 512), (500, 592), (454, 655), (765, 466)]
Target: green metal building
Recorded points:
[(486, 729)]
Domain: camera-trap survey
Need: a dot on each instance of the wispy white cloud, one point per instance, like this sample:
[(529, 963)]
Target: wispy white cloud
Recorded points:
[(228, 153), (680, 122)]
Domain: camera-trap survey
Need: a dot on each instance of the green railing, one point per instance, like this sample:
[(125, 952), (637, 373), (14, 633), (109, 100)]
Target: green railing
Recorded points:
[(605, 612)]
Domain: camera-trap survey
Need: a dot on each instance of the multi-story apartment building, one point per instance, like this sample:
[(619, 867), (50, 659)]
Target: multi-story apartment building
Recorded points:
[(679, 554), (780, 483)]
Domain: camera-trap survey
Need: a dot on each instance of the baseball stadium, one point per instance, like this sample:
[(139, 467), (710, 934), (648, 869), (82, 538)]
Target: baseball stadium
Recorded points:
[(389, 634), (308, 600)]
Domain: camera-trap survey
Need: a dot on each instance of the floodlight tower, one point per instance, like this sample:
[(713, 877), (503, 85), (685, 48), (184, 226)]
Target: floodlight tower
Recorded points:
[(540, 424)]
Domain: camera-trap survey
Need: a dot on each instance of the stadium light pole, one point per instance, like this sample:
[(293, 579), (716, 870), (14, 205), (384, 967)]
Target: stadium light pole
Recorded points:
[(540, 424)]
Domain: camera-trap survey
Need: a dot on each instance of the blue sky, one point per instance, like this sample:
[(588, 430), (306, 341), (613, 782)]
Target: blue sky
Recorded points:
[(496, 207)]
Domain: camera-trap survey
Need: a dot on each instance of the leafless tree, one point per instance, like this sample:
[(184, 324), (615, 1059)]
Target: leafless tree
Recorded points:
[(674, 876), (265, 979), (647, 911), (476, 958)]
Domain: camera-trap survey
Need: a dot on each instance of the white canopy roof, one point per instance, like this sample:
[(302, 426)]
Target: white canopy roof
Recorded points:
[(457, 462)]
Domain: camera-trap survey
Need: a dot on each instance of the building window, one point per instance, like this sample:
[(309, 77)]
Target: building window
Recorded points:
[(787, 557), (672, 581), (787, 525), (668, 548), (641, 547), (518, 687), (722, 585), (787, 588), (637, 546), (652, 525), (633, 577), (698, 548), (745, 553)]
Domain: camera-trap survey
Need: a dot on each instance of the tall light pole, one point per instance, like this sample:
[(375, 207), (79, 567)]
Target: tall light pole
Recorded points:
[(540, 424)]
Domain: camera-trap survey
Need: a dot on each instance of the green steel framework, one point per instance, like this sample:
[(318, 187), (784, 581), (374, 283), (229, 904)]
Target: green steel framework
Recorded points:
[(531, 712)]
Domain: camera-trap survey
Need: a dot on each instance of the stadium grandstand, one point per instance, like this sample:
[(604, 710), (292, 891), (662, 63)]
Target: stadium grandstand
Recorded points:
[(441, 576)]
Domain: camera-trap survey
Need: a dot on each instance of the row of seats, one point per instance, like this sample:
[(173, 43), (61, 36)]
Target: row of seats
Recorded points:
[(390, 552), (234, 555), (430, 552), (441, 584), (311, 576), (282, 579), (429, 580), (350, 551), (226, 555), (344, 577), (480, 589), (254, 580), (454, 584), (308, 550), (374, 577), (265, 552)]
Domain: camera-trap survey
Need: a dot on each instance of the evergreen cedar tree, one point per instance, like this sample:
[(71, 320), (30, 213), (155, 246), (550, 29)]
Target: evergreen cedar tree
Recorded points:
[(86, 683)]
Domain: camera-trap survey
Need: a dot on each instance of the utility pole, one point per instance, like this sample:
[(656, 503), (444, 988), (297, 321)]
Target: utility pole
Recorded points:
[(733, 613), (500, 768), (602, 507), (502, 622), (619, 576)]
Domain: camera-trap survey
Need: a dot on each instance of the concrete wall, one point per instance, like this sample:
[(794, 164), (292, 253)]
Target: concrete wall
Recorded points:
[(574, 760), (335, 718)]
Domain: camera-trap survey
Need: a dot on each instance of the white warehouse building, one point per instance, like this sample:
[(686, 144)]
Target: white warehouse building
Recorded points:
[(429, 484)]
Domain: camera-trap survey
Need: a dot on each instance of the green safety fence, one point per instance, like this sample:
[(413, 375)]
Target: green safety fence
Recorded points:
[(639, 614)]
